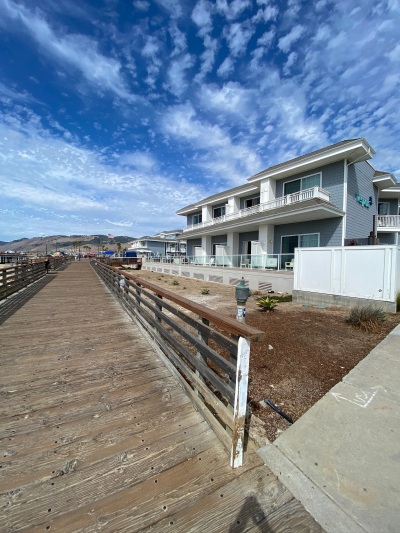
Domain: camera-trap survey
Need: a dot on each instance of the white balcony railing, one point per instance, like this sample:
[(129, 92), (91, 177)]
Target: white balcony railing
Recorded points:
[(389, 221), (301, 196)]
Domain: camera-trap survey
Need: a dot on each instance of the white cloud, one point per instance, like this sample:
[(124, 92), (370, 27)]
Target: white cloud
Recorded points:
[(207, 57), (294, 35), (176, 74), (394, 55), (219, 154), (78, 51), (202, 15), (179, 39), (140, 160), (226, 67), (173, 7), (234, 9), (267, 38), (292, 57), (238, 35), (141, 5)]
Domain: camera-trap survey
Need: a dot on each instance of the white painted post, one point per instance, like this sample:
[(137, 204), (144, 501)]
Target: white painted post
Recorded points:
[(239, 414)]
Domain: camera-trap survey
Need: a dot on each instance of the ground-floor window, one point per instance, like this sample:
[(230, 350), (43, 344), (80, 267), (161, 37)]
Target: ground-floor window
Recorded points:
[(290, 242)]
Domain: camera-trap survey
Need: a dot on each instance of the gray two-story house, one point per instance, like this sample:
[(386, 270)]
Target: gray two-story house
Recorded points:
[(164, 243), (330, 197)]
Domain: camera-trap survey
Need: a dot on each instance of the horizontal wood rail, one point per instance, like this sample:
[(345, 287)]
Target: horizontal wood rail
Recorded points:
[(216, 379), (224, 322), (15, 278)]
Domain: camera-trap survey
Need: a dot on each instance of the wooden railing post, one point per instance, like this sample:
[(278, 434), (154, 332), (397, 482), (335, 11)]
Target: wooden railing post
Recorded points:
[(4, 282), (199, 355), (240, 407)]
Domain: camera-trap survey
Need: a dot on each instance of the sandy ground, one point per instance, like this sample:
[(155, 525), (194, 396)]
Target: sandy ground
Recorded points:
[(305, 353)]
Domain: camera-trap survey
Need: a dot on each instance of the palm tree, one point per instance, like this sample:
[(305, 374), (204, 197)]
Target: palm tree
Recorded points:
[(119, 246), (79, 244)]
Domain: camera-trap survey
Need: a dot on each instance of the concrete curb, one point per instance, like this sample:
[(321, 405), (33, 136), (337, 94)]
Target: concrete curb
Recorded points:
[(325, 511)]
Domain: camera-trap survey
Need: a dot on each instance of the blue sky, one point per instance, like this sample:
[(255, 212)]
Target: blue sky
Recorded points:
[(114, 114)]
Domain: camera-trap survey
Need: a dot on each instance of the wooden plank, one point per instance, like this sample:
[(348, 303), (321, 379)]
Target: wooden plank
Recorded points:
[(286, 519), (229, 324), (198, 403), (206, 371), (146, 503), (247, 499), (98, 480)]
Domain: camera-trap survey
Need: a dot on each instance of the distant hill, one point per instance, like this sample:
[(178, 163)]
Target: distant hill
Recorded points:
[(64, 243)]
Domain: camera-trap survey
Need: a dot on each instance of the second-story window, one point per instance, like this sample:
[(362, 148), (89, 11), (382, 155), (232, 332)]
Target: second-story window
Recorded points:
[(251, 201), (197, 218), (302, 184), (218, 212)]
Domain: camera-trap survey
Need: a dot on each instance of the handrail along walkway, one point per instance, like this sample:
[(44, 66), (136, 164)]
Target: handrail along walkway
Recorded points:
[(15, 278), (217, 386)]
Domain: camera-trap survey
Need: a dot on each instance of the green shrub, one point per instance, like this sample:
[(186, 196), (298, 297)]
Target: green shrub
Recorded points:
[(175, 282), (366, 317), (205, 291), (398, 302), (266, 303)]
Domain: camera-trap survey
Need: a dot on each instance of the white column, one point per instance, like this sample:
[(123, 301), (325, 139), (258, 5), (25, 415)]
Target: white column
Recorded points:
[(266, 238), (207, 213), (233, 205), (267, 190), (206, 244), (232, 242)]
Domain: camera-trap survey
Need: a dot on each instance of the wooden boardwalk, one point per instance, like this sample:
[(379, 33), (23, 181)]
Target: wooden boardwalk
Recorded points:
[(96, 435)]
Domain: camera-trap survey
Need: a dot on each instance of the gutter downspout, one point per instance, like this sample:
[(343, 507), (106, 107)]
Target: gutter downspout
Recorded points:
[(344, 220)]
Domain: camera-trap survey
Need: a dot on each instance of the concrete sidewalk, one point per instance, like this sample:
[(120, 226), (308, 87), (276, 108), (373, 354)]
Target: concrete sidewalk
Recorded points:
[(341, 459)]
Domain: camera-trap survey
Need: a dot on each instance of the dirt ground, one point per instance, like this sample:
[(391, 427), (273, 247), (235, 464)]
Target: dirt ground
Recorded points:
[(306, 350)]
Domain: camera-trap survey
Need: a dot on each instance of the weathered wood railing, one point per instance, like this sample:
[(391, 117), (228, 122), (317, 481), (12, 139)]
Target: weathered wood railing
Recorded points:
[(216, 379), (17, 277)]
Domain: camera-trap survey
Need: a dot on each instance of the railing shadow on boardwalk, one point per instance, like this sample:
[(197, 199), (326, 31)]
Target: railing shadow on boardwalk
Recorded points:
[(249, 515), (14, 302)]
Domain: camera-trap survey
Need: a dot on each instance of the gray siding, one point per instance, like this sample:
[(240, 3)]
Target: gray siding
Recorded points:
[(359, 218), (242, 200), (247, 236), (156, 247), (387, 238), (329, 229), (190, 244), (332, 181), (219, 239)]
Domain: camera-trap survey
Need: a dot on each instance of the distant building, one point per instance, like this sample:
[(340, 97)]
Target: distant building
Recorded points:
[(165, 244)]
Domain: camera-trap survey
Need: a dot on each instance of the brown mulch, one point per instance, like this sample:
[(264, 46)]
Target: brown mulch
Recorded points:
[(305, 353)]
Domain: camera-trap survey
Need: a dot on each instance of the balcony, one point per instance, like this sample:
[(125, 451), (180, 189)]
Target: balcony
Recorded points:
[(389, 223), (283, 201)]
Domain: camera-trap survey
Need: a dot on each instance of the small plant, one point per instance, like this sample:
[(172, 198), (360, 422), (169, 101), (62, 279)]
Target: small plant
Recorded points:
[(398, 302), (205, 291), (366, 317), (159, 279), (266, 303), (161, 275), (283, 298), (175, 282)]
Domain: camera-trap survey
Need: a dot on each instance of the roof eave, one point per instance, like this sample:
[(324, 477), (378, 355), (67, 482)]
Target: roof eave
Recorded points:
[(354, 151)]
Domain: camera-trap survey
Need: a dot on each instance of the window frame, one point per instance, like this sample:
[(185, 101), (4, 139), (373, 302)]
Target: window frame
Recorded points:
[(222, 207), (298, 235), (251, 199), (198, 215), (301, 181), (388, 208)]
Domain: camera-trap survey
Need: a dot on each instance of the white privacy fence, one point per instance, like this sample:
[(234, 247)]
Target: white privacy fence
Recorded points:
[(351, 272)]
